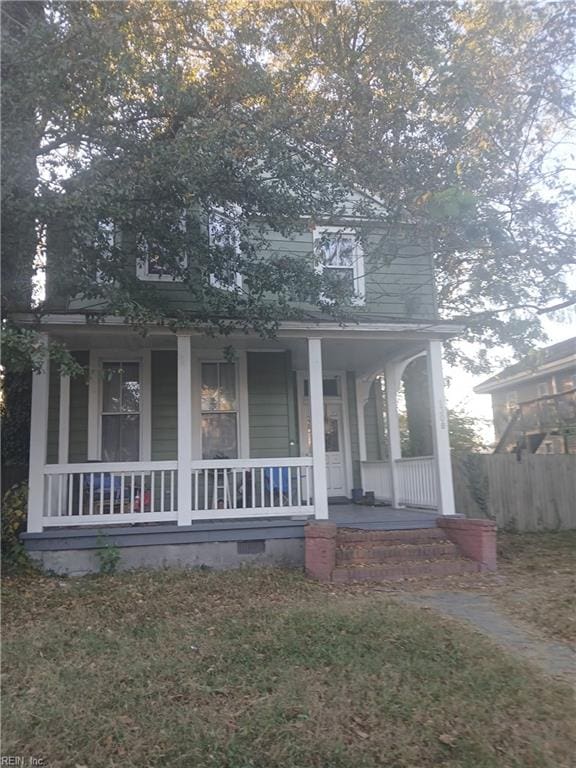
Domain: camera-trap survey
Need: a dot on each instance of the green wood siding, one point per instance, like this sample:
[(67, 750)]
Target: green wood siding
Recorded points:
[(53, 415), (78, 450), (271, 405), (399, 281), (164, 406), (270, 414), (78, 434)]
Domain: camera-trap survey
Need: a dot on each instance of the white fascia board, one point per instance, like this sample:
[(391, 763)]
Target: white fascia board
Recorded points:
[(330, 329), (286, 329)]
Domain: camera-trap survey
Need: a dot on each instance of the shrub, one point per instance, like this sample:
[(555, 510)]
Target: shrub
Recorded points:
[(14, 509), (108, 555)]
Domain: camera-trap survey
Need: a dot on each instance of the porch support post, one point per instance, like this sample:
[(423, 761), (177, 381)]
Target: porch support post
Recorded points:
[(392, 373), (38, 442), (317, 424), (184, 430), (439, 416)]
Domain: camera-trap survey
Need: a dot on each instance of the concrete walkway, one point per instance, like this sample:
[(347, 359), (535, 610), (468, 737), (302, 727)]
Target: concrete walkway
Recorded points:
[(481, 612)]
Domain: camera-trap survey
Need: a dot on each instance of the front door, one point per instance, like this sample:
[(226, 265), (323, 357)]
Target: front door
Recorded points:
[(335, 470), (334, 444)]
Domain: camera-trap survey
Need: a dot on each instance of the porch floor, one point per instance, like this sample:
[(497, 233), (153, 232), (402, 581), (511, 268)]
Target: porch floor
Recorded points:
[(381, 518)]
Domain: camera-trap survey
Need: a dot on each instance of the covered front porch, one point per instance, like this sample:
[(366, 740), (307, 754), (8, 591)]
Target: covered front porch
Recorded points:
[(302, 430)]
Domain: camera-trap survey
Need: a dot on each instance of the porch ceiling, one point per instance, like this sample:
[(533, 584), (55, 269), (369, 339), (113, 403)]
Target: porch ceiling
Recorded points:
[(339, 352)]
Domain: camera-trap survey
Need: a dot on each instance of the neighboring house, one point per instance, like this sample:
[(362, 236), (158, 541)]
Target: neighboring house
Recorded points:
[(534, 401), (170, 438)]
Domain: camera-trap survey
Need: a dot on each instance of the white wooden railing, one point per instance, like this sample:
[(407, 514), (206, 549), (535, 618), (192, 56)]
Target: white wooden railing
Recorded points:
[(97, 493), (102, 493), (377, 477), (417, 484), (235, 488)]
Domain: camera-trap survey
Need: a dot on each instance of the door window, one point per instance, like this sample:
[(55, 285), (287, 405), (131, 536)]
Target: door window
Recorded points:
[(331, 430)]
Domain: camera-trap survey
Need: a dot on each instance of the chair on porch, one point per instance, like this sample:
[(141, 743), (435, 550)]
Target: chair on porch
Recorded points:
[(106, 491), (276, 483)]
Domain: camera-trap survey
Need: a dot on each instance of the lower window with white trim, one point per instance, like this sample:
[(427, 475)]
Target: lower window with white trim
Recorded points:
[(120, 411), (219, 411)]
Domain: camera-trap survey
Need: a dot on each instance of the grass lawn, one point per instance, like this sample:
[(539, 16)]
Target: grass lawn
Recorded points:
[(262, 669)]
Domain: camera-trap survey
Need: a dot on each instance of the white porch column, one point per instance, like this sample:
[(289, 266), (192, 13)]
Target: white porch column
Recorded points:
[(184, 430), (38, 443), (392, 373), (439, 416), (318, 431)]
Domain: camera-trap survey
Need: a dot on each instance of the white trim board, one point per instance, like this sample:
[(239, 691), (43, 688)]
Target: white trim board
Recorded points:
[(97, 357), (342, 400)]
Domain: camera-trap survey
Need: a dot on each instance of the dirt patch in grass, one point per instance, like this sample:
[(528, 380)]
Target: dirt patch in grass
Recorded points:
[(262, 669)]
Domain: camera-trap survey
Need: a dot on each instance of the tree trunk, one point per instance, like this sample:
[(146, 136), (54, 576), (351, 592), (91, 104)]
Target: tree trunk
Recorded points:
[(21, 136)]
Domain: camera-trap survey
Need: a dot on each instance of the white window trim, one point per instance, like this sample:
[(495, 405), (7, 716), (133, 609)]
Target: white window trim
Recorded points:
[(236, 284), (198, 357), (97, 358), (358, 263), (230, 287), (236, 410)]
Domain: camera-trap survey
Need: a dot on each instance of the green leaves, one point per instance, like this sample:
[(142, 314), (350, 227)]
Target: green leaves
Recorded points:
[(450, 117)]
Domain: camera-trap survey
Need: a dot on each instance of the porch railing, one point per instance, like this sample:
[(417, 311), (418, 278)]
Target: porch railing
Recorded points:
[(107, 493), (417, 484), (234, 488), (377, 477), (95, 493)]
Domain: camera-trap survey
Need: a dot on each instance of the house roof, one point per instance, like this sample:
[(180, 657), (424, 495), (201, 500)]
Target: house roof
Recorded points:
[(538, 362)]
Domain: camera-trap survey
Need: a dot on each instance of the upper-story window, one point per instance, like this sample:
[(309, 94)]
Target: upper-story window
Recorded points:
[(340, 251), (152, 267), (224, 235), (109, 237), (151, 264)]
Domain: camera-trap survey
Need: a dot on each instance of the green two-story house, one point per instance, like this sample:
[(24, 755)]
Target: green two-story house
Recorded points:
[(180, 454)]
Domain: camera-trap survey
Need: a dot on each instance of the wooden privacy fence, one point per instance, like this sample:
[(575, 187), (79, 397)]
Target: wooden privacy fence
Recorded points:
[(537, 493)]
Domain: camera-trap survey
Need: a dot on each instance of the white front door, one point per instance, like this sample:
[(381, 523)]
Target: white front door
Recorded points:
[(335, 469), (334, 443)]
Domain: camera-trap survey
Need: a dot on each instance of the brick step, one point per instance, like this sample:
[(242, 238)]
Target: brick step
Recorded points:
[(378, 552), (408, 570), (408, 536)]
